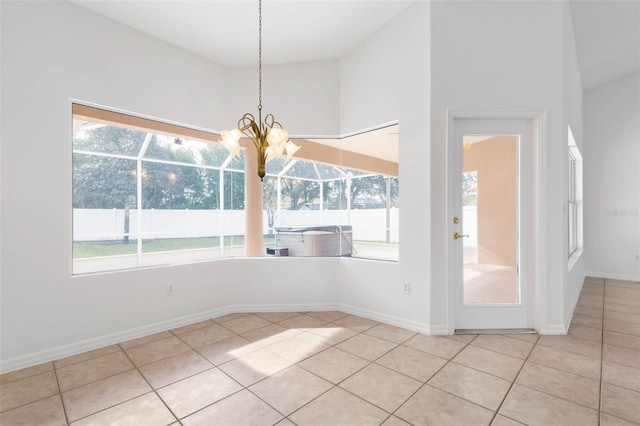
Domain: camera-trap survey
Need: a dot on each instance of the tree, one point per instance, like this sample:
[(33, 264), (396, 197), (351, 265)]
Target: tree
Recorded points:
[(363, 192), (270, 200), (470, 188), (372, 188), (233, 190), (102, 182), (299, 192), (107, 182)]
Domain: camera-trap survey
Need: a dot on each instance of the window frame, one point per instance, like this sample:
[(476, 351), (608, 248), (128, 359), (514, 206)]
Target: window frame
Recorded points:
[(331, 154), (574, 210), (152, 128)]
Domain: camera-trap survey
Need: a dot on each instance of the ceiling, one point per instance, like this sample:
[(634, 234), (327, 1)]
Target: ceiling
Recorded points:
[(607, 39), (225, 31)]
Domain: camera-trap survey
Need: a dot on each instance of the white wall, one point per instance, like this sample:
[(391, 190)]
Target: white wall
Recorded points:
[(54, 51), (612, 179), (303, 97), (386, 78), (499, 56), (573, 114)]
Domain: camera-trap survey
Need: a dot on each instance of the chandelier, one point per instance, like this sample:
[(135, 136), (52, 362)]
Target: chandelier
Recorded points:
[(269, 138)]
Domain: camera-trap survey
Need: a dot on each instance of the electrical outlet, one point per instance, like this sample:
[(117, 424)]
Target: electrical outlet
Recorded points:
[(170, 289), (406, 288)]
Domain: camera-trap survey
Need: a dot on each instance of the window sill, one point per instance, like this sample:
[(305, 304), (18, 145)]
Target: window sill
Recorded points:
[(573, 259)]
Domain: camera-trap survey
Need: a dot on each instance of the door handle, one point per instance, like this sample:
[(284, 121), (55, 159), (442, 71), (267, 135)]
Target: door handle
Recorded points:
[(456, 235)]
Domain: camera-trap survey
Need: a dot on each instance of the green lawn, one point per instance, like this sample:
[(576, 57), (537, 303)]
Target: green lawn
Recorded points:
[(82, 249)]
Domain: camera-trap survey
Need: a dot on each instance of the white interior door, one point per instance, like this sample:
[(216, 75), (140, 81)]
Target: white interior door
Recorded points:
[(489, 190)]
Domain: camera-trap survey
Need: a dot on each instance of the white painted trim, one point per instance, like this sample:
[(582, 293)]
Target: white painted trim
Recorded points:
[(394, 320), (75, 348), (307, 307), (569, 313), (610, 276), (135, 114), (573, 259), (557, 329), (540, 227), (349, 134), (59, 352)]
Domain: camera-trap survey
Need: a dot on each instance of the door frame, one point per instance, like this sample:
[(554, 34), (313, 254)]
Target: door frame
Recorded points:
[(536, 159)]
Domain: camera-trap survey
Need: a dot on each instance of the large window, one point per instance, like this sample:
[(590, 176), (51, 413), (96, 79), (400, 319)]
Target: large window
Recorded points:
[(308, 202), (573, 205), (574, 200), (150, 193), (144, 197)]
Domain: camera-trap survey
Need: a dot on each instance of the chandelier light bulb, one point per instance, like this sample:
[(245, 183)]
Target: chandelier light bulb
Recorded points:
[(277, 136), (231, 141), (291, 149)]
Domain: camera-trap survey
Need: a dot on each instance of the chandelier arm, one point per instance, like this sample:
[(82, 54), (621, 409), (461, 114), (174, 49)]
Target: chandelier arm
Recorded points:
[(255, 138), (245, 121)]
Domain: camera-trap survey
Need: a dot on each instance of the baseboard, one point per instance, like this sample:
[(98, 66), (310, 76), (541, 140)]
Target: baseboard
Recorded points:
[(569, 314), (610, 276), (555, 329), (306, 307), (394, 320), (63, 351)]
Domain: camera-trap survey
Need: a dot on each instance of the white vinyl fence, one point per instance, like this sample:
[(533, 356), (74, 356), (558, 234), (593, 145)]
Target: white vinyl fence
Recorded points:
[(470, 225), (108, 224)]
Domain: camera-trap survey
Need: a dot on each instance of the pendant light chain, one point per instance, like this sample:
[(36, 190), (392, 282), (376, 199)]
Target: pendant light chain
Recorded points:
[(270, 139), (260, 54)]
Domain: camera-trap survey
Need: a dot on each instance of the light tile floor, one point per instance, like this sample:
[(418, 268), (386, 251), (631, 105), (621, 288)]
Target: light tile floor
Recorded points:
[(331, 368)]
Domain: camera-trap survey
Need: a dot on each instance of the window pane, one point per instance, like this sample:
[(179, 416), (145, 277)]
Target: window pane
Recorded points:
[(354, 215), (104, 192), (186, 151), (329, 172), (303, 170), (168, 186), (96, 137), (103, 182), (141, 199)]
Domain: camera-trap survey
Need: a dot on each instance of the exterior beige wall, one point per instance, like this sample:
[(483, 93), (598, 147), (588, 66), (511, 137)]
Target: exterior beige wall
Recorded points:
[(496, 160)]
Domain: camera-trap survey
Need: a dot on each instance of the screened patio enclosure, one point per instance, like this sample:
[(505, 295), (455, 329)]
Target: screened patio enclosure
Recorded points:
[(305, 193), (143, 198)]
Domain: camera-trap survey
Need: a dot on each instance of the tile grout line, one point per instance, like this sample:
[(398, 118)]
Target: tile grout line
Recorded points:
[(333, 385), (604, 297), (267, 377), (337, 385), (570, 372), (369, 363), (37, 400), (243, 387), (135, 367), (240, 384), (155, 391), (213, 366), (513, 383), (64, 406), (426, 383)]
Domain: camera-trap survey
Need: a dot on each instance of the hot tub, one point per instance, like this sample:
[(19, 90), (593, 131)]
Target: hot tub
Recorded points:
[(322, 241)]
